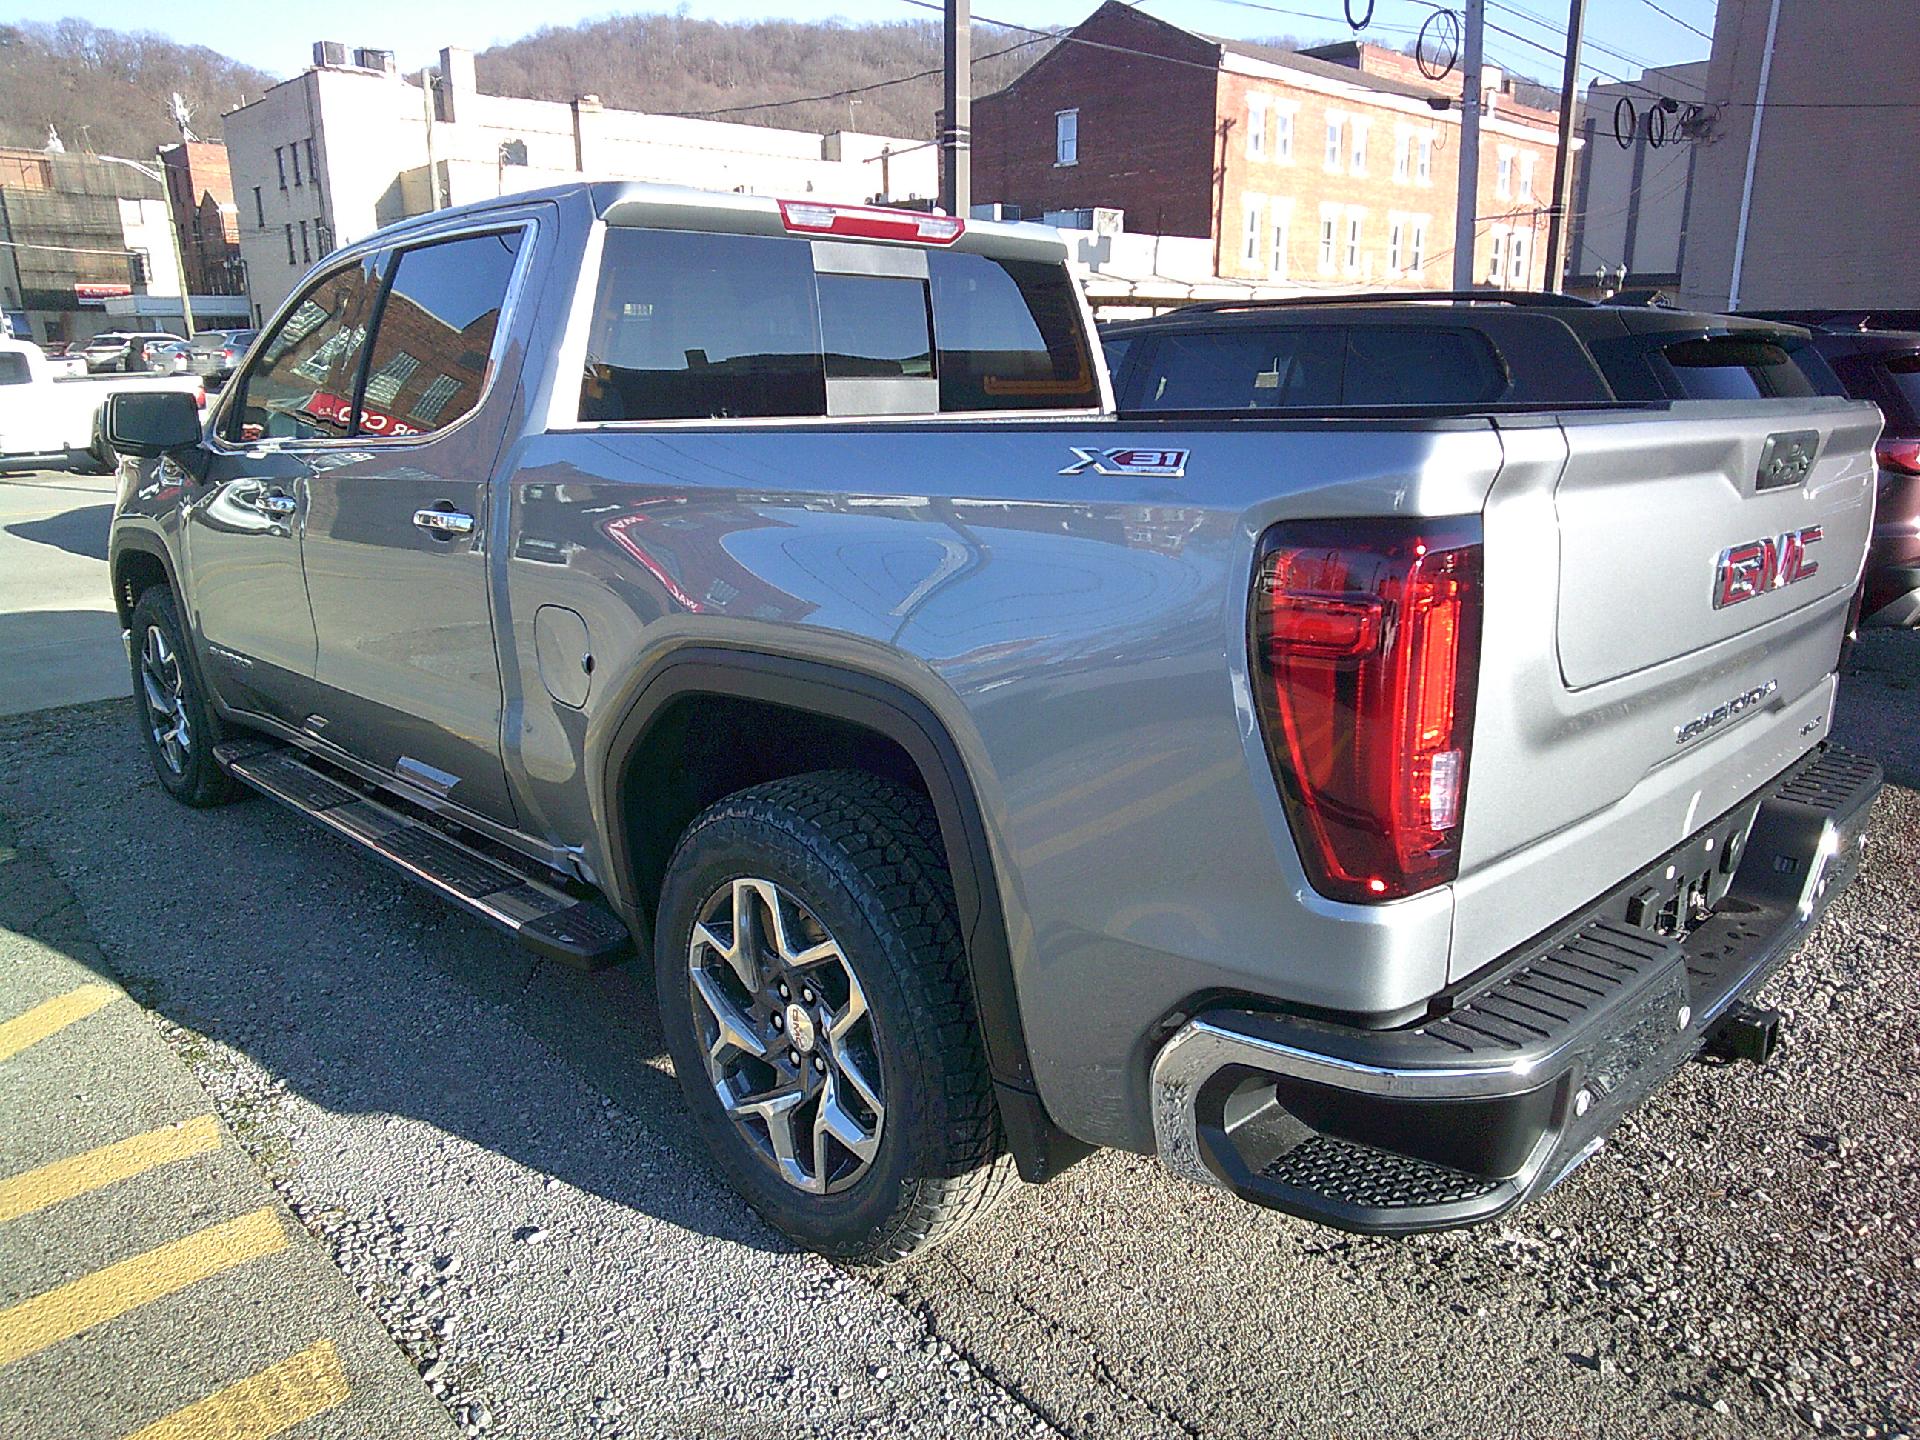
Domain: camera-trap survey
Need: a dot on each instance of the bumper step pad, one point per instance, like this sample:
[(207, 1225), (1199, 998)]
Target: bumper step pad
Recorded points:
[(1518, 1076), (540, 916)]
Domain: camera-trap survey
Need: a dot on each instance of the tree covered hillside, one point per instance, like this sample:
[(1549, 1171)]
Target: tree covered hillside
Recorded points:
[(673, 64), (111, 91)]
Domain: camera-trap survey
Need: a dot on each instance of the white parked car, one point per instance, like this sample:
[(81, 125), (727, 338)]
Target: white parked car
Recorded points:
[(43, 415)]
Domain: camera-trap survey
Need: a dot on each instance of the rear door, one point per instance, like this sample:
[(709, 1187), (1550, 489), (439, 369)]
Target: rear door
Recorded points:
[(396, 540)]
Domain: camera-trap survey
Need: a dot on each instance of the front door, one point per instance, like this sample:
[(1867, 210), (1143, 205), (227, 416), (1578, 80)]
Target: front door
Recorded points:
[(241, 520), (396, 534)]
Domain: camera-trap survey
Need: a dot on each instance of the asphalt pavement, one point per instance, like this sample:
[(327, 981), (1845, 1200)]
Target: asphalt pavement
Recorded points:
[(495, 1154), (152, 1285), (58, 634)]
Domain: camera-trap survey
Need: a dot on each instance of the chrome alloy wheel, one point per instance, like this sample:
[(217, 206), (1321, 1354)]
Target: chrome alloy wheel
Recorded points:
[(165, 686), (790, 1046)]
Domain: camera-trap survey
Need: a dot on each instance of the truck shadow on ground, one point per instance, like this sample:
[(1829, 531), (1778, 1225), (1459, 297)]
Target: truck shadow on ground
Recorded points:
[(80, 532), (360, 995)]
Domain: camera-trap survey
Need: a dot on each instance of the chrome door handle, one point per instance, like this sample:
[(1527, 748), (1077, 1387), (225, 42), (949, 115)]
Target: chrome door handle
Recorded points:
[(444, 523), (276, 505)]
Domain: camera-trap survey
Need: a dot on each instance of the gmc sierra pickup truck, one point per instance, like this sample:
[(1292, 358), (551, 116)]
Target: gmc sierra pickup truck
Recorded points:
[(1360, 811)]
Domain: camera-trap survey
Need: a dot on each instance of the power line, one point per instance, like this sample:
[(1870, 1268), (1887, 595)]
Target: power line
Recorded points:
[(1069, 39), (1683, 24)]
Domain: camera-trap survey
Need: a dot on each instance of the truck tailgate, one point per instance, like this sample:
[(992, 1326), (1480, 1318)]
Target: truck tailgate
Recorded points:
[(1679, 666), (1644, 517)]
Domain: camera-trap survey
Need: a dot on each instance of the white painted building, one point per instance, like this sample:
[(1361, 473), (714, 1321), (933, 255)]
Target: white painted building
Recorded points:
[(345, 148)]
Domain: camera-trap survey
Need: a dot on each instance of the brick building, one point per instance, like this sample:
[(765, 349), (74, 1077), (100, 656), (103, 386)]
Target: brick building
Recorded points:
[(1330, 167), (200, 193)]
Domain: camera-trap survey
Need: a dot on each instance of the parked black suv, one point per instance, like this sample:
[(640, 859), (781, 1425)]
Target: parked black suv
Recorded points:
[(1884, 366), (1473, 348)]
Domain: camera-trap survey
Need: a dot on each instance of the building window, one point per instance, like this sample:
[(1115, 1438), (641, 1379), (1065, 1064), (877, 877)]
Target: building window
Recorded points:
[(1417, 244), (1396, 237), (306, 250), (1334, 150), (323, 238), (259, 209), (1280, 135), (1519, 262), (295, 149), (434, 398), (1497, 259), (292, 258), (1066, 137), (1423, 165), (394, 372), (1359, 147), (1354, 217), (1256, 129), (1526, 177), (1503, 177), (1402, 157), (313, 170), (1279, 237), (280, 162), (1329, 238), (1250, 229)]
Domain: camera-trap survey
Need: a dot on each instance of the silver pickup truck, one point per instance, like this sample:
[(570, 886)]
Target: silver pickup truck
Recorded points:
[(1362, 810)]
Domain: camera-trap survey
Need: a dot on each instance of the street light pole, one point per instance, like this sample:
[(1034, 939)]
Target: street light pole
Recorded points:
[(1563, 156), (1467, 198), (956, 135)]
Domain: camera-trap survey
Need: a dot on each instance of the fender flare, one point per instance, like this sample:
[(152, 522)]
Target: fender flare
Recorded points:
[(1040, 1147), (144, 543)]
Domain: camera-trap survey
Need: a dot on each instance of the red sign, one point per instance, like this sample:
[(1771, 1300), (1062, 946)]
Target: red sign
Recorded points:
[(327, 406), (85, 291)]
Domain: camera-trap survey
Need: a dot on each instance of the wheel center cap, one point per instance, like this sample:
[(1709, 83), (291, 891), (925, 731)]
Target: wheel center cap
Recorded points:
[(800, 1029)]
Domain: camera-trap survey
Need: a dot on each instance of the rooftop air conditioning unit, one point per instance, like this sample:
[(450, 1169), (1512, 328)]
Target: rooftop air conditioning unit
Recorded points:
[(329, 52), (374, 60)]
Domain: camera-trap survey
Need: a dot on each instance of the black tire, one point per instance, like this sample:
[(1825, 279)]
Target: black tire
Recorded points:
[(861, 856), (186, 767)]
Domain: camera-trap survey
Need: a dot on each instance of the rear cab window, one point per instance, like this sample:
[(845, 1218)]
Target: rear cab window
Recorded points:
[(688, 325)]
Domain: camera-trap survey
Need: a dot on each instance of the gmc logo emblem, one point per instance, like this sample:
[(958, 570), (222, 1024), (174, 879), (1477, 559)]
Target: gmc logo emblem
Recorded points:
[(1758, 566)]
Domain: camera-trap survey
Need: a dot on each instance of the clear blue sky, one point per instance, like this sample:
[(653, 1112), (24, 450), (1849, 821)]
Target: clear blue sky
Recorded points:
[(278, 37)]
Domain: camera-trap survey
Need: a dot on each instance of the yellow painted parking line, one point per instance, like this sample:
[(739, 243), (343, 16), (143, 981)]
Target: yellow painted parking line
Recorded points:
[(277, 1399), (52, 1015), (108, 1165), (63, 1312)]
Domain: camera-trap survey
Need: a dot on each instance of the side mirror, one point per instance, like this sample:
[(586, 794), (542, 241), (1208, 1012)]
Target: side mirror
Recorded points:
[(152, 422)]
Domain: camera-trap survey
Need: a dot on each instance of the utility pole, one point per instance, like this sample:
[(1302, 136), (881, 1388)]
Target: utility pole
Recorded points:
[(1557, 227), (1467, 201), (956, 135)]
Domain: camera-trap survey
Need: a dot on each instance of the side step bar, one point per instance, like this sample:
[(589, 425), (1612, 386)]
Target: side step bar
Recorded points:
[(542, 918)]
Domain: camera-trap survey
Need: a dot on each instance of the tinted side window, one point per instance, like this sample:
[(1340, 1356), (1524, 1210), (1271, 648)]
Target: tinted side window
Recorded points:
[(435, 335), (13, 368), (1243, 369), (300, 385), (1414, 365), (1010, 335), (1733, 368), (1903, 379), (689, 326)]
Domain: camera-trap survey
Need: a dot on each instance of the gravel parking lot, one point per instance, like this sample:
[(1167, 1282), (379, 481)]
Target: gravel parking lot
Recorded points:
[(494, 1150)]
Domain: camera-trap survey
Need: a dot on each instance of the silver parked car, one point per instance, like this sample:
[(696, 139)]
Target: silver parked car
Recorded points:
[(172, 357), (216, 353)]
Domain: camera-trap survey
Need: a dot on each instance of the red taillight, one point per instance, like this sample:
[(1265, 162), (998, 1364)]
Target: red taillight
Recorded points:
[(1366, 657), (200, 398), (868, 222), (1901, 456)]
